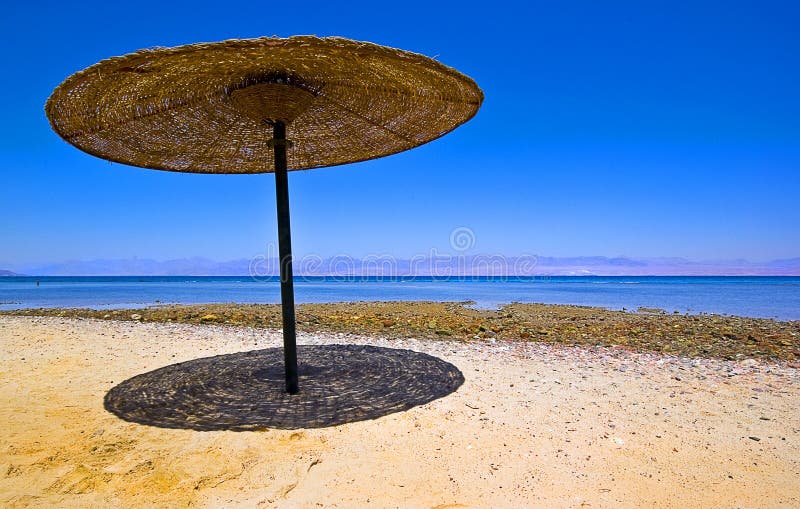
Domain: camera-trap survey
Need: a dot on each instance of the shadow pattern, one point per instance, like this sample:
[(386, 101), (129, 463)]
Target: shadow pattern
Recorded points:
[(245, 391)]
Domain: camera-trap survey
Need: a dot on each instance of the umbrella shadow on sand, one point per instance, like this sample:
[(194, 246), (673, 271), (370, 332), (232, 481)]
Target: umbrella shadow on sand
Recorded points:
[(246, 391)]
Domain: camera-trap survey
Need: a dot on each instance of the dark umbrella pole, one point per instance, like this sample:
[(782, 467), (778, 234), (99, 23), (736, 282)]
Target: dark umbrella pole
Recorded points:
[(285, 253), (257, 85)]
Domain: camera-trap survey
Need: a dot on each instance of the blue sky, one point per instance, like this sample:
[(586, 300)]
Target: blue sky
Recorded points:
[(609, 128)]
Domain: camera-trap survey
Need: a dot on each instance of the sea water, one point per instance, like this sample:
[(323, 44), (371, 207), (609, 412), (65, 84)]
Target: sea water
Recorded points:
[(767, 297)]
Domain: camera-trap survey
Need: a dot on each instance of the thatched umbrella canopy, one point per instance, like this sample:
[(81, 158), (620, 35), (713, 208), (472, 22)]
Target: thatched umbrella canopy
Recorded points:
[(201, 108), (261, 105)]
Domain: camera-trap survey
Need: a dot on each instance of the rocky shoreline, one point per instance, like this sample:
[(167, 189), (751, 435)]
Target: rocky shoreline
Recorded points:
[(648, 330)]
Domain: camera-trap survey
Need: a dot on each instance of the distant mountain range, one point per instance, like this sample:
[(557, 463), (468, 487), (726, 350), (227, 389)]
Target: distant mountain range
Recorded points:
[(441, 265)]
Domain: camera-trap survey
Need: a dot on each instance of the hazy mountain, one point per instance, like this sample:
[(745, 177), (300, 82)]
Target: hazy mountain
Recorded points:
[(8, 273), (671, 266), (443, 265), (142, 267)]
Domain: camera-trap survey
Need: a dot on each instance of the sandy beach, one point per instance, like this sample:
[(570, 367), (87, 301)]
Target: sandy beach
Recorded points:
[(532, 425)]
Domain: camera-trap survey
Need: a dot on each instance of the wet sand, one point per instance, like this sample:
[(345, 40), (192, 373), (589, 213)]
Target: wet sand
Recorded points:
[(533, 425)]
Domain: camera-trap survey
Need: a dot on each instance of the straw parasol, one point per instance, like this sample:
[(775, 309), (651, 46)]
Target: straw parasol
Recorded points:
[(261, 105)]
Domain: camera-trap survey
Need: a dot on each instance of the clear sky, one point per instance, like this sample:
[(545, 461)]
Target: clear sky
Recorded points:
[(609, 128)]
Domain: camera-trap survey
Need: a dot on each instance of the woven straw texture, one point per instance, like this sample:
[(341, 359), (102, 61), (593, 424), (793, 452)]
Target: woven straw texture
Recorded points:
[(208, 108)]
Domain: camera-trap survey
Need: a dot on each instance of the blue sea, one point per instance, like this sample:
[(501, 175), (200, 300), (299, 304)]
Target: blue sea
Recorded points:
[(766, 297)]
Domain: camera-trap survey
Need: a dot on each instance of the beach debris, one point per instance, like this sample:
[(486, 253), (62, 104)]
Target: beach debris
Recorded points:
[(657, 311), (314, 462), (136, 316)]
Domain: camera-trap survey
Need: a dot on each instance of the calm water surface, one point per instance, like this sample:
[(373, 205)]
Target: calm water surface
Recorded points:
[(769, 297)]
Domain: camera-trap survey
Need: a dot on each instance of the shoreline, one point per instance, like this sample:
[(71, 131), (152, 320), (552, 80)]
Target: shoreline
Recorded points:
[(767, 297), (533, 425), (647, 329)]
